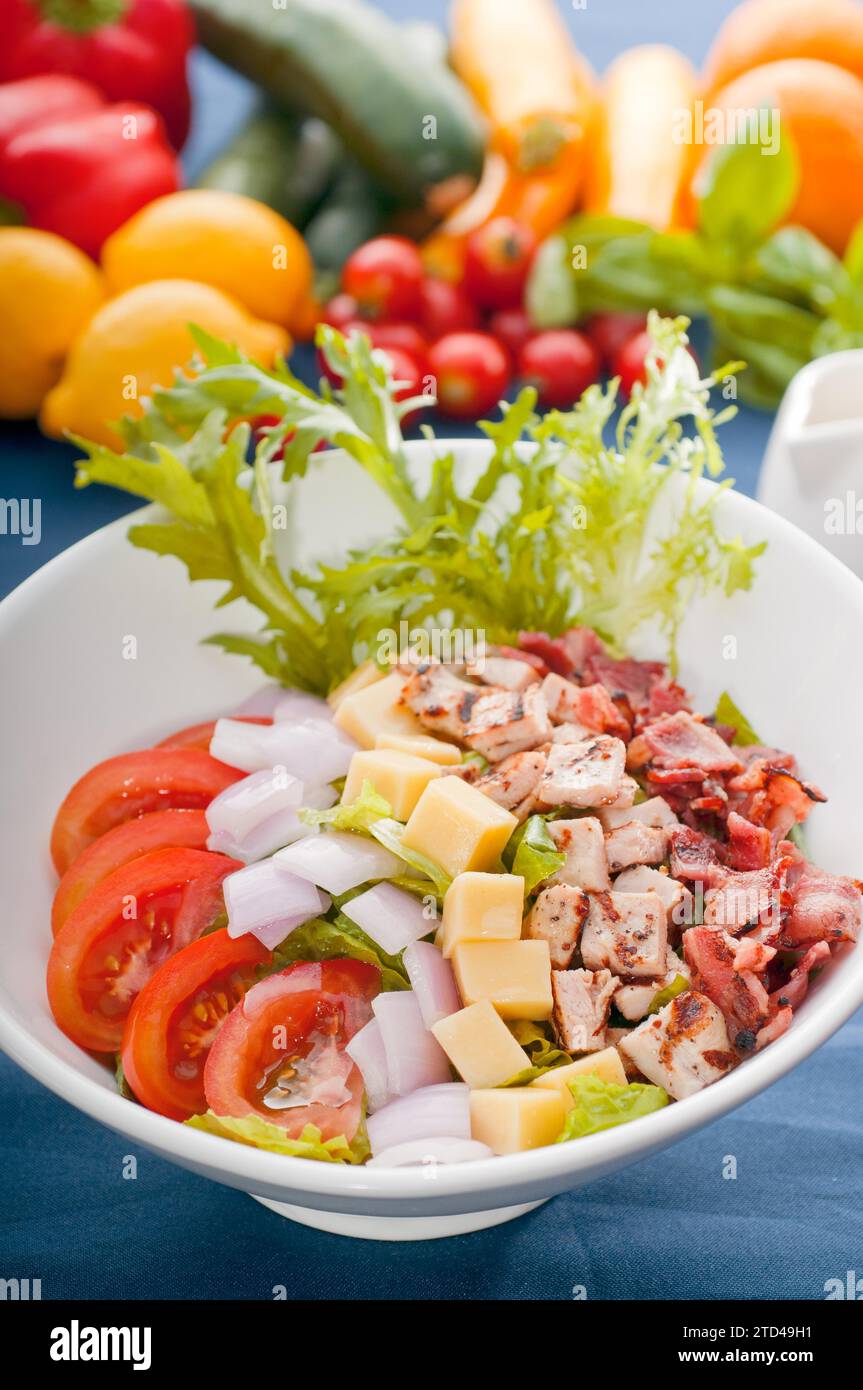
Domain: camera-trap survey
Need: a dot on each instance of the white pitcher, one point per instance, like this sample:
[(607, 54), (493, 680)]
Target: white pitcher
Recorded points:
[(813, 468)]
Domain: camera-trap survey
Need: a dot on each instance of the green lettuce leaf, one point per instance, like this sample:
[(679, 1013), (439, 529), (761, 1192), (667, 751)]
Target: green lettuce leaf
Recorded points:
[(359, 815), (259, 1134), (389, 833), (120, 1078), (727, 712), (543, 1052), (602, 1105), (679, 985), (320, 939), (532, 854)]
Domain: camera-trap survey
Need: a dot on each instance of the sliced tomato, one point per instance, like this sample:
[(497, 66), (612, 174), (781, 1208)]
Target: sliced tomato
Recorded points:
[(199, 735), (154, 779), (178, 829), (177, 1015), (280, 1054), (116, 939)]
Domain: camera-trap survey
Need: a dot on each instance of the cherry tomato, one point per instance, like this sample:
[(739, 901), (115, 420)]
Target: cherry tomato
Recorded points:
[(155, 779), (497, 261), (446, 308), (340, 310), (200, 735), (630, 363), (116, 939), (608, 333), (179, 829), (561, 365), (404, 336), (385, 278), (280, 1054), (175, 1019), (471, 373), (513, 328)]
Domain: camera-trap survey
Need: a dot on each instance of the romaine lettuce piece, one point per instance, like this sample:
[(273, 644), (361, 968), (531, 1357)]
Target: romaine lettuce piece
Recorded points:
[(258, 1134), (602, 1105), (532, 853), (359, 815)]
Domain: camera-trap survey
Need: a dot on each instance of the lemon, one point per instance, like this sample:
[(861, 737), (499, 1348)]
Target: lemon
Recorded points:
[(135, 342), (224, 239)]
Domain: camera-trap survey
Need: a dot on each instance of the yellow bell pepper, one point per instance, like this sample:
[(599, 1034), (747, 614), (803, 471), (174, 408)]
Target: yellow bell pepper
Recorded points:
[(135, 342), (48, 291), (223, 239)]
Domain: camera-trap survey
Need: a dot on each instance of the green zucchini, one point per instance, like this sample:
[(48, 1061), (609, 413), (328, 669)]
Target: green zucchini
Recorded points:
[(406, 118), (352, 213), (279, 160)]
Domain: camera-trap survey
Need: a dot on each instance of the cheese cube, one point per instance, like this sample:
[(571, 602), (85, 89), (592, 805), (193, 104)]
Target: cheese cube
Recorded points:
[(437, 750), (515, 976), (400, 778), (366, 674), (516, 1119), (480, 1046), (376, 710), (482, 907), (458, 827), (606, 1065)]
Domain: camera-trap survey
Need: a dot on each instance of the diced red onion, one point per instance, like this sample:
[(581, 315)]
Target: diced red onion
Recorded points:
[(390, 916), (415, 1058), (422, 1153), (435, 1112), (269, 903), (253, 818), (262, 704), (433, 982), (312, 750), (338, 860), (366, 1048), (297, 705)]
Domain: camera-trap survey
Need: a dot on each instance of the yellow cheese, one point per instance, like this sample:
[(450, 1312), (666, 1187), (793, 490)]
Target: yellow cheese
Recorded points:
[(458, 827), (375, 710), (400, 778), (480, 1046), (606, 1065), (515, 1119), (515, 976), (366, 674), (422, 746), (482, 907)]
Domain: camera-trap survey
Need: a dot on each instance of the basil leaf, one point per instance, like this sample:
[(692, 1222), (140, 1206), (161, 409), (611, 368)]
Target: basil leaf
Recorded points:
[(744, 192)]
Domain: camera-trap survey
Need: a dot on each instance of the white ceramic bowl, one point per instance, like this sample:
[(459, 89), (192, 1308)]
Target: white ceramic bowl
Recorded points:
[(790, 652)]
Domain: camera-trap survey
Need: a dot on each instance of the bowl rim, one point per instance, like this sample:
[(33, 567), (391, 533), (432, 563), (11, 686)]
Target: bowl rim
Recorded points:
[(549, 1167)]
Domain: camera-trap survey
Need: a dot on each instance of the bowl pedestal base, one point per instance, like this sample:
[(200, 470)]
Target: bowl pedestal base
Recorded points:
[(397, 1227)]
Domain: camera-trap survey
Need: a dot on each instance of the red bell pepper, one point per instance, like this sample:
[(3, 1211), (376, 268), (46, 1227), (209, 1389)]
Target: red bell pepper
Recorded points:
[(132, 50), (77, 166)]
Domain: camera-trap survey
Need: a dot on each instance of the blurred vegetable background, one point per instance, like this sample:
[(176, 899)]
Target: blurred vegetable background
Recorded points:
[(479, 201)]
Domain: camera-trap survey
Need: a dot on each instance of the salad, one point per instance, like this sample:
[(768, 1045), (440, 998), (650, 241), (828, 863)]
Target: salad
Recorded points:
[(412, 905)]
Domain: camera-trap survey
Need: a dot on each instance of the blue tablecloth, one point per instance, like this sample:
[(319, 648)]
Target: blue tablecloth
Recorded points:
[(674, 1226)]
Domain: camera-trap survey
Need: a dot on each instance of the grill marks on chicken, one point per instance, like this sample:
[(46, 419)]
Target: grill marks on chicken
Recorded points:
[(703, 862)]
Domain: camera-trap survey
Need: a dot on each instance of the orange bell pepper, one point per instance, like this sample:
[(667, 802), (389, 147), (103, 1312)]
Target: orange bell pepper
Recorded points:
[(637, 159), (519, 61)]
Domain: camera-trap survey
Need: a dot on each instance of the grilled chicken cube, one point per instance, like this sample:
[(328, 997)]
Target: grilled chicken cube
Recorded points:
[(495, 722), (582, 999), (557, 917), (634, 1000), (513, 782), (634, 843), (625, 797), (626, 933), (682, 1048), (583, 774), (583, 843), (572, 733), (676, 896), (655, 812), (504, 671)]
